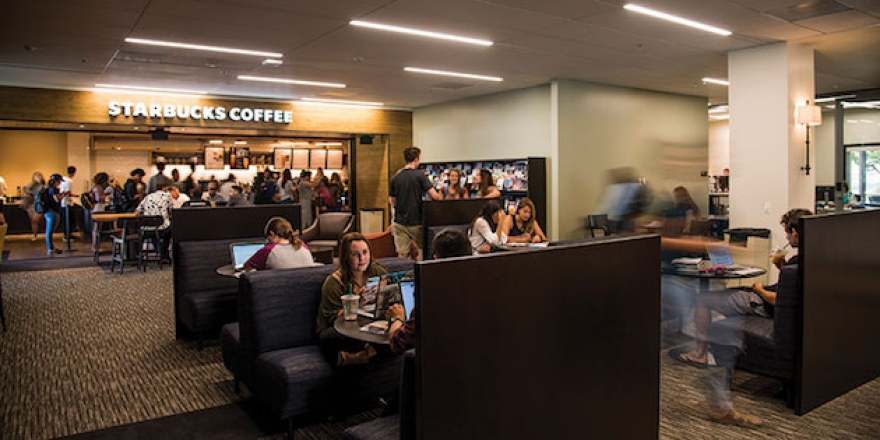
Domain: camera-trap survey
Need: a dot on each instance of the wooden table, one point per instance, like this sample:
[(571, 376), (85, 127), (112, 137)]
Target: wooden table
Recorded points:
[(352, 329)]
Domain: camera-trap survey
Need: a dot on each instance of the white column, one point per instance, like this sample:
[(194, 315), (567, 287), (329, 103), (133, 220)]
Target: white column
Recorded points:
[(767, 147)]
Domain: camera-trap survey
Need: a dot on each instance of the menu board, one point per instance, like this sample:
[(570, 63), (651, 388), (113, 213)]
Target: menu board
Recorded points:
[(318, 158), (334, 159), (239, 158), (214, 158), (301, 159), (282, 158)]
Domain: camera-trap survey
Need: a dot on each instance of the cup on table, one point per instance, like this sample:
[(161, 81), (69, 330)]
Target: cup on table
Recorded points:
[(350, 306)]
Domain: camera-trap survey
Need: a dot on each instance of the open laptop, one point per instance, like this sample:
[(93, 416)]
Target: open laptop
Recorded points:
[(720, 256), (408, 297), (380, 292), (240, 253)]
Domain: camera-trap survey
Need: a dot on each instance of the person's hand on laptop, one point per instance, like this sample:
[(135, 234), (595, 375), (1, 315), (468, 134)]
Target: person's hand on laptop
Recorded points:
[(395, 311)]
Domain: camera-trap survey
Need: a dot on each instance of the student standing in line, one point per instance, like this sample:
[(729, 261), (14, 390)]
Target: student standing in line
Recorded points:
[(485, 185), (52, 210), (32, 191), (132, 189), (485, 231), (159, 180), (306, 185), (522, 226), (405, 192), (66, 189)]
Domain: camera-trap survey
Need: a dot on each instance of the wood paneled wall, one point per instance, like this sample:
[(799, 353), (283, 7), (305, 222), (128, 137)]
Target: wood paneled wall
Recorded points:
[(68, 106)]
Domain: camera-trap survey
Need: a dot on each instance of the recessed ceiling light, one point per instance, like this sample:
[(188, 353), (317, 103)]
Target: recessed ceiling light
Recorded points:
[(149, 89), (240, 142), (456, 74), (419, 32), (203, 47), (328, 144), (343, 101), (272, 62), (291, 81), (720, 82), (719, 117), (215, 141), (676, 19)]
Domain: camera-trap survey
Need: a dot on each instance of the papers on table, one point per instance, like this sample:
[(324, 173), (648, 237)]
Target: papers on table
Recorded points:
[(687, 260)]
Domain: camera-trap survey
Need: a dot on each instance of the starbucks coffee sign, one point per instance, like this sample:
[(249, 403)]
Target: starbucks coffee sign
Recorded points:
[(198, 112)]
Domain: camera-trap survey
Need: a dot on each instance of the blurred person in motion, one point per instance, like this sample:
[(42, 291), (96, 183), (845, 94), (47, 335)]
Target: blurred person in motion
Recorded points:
[(624, 199)]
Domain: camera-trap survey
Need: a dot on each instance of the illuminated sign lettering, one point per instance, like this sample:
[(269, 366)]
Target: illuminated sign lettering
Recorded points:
[(196, 112)]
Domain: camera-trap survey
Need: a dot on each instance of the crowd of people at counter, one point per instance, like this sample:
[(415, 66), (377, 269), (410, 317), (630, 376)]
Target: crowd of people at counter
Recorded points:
[(50, 202)]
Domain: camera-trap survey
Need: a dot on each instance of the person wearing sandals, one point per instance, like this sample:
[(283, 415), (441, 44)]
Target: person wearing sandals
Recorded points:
[(356, 266), (760, 301)]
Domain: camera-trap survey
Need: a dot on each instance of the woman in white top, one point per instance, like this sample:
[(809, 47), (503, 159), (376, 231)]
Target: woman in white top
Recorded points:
[(485, 231), (284, 251)]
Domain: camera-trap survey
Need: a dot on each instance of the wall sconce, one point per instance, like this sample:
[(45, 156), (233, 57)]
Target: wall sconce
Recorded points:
[(808, 115)]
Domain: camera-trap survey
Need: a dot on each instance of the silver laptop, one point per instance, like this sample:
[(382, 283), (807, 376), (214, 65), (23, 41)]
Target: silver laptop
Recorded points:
[(240, 253), (408, 297)]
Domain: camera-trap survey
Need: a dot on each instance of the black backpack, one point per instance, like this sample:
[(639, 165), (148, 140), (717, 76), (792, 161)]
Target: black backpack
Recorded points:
[(40, 205), (87, 201)]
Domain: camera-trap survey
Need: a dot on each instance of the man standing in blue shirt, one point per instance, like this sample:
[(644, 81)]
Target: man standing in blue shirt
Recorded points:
[(405, 192)]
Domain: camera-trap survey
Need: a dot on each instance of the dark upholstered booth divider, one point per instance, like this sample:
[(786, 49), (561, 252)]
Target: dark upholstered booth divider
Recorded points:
[(203, 299), (840, 260), (554, 343), (229, 222), (437, 215)]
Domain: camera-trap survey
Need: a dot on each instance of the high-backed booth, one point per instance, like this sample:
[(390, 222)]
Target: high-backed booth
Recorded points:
[(840, 260), (437, 215), (560, 342), (203, 299)]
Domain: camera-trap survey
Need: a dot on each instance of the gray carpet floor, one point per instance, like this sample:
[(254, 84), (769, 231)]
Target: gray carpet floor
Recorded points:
[(89, 350)]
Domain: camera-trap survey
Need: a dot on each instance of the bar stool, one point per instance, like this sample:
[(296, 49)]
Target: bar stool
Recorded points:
[(149, 241), (123, 241)]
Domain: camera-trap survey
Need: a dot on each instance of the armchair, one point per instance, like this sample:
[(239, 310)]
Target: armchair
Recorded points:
[(327, 229)]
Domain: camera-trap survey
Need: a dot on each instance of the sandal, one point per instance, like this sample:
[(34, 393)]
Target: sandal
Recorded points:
[(735, 418), (683, 356)]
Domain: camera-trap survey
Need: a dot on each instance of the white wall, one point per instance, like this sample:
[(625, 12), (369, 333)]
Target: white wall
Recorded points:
[(719, 146), (507, 125), (663, 136), (583, 129)]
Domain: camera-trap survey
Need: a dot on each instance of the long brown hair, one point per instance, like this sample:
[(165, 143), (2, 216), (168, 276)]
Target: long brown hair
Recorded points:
[(486, 181), (489, 209), (282, 228), (683, 193), (529, 227), (456, 189), (344, 270)]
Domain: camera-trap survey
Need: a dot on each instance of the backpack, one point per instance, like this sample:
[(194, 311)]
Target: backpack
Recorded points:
[(87, 201), (40, 205)]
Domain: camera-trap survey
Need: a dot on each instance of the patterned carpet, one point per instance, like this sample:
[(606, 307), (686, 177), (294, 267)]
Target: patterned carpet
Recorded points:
[(89, 350)]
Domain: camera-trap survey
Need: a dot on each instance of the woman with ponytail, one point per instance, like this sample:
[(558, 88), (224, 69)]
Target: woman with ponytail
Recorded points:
[(284, 249)]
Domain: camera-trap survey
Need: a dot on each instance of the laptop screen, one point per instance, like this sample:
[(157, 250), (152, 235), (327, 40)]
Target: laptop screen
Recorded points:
[(241, 252), (720, 255), (408, 296)]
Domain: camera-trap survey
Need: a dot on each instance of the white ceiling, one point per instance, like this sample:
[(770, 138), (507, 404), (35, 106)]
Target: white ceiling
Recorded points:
[(76, 44)]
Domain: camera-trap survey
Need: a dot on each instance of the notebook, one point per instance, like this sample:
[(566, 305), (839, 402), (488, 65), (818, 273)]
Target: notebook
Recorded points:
[(239, 253), (380, 292)]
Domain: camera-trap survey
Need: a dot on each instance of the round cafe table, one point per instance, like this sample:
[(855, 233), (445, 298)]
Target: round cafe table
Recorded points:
[(690, 271), (352, 329)]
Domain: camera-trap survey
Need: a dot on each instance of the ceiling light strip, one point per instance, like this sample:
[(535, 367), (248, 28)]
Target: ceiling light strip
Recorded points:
[(421, 33), (720, 82), (834, 98), (149, 89), (203, 47), (456, 74), (291, 81), (676, 19), (343, 101)]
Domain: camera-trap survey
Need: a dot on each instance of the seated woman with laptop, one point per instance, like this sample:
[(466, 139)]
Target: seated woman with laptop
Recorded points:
[(356, 266), (284, 249), (485, 231), (522, 226)]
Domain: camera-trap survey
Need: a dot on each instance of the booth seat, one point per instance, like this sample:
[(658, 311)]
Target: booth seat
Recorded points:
[(278, 356), (204, 300), (768, 345)]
